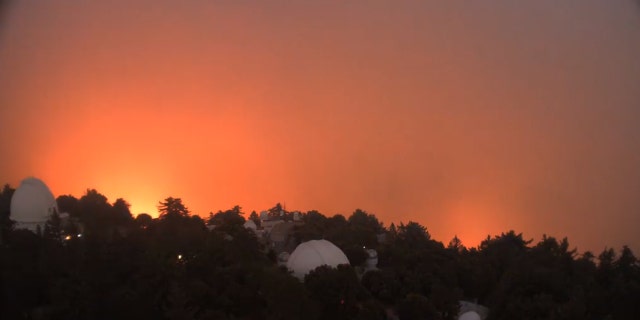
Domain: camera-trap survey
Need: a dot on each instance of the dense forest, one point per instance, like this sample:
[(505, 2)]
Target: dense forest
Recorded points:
[(175, 267)]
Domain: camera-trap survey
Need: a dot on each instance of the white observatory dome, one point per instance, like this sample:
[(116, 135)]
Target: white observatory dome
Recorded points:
[(32, 204), (312, 254), (469, 315)]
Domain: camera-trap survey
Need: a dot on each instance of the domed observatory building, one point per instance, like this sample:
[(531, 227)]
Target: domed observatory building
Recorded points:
[(472, 311), (312, 254), (32, 204), (470, 315)]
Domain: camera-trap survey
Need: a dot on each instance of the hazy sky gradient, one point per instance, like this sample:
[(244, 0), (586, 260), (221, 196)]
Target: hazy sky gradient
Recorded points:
[(471, 118)]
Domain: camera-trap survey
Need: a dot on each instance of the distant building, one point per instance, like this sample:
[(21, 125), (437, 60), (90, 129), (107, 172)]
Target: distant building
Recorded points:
[(268, 221), (276, 230), (372, 260), (280, 237)]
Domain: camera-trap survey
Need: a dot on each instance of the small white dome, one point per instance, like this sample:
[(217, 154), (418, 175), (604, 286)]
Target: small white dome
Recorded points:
[(469, 315), (312, 254), (249, 224), (32, 204)]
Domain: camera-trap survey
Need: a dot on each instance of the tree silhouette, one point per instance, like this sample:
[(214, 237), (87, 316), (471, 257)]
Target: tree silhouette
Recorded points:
[(69, 204), (255, 218), (456, 245), (6, 224), (122, 214), (276, 211), (229, 219), (174, 267), (53, 227), (338, 291), (143, 220), (416, 306), (172, 207)]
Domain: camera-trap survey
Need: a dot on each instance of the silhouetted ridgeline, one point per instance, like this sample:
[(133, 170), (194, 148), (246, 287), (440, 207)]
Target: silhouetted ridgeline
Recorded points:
[(92, 260)]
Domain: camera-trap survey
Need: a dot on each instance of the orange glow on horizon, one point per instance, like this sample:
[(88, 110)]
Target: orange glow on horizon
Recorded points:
[(472, 223)]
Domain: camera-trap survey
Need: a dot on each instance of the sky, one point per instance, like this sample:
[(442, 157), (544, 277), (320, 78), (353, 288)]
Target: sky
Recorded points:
[(471, 118)]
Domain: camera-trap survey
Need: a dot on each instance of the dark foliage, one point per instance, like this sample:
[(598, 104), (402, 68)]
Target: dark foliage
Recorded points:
[(174, 267)]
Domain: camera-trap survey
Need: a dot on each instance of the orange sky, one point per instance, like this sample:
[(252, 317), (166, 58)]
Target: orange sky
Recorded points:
[(470, 118)]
